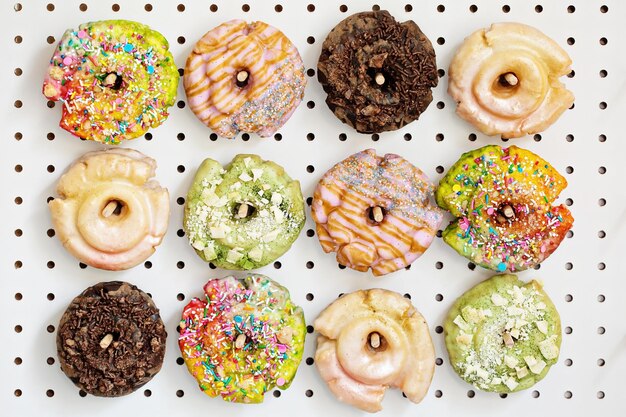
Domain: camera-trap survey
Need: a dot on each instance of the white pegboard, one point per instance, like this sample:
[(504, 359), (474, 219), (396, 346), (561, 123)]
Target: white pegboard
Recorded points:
[(584, 277)]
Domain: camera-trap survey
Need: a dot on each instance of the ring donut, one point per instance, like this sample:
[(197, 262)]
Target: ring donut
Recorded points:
[(371, 340), (111, 214), (505, 80), (115, 78), (245, 77), (375, 212)]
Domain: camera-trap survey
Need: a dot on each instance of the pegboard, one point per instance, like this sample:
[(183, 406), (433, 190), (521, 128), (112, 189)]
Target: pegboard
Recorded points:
[(584, 277)]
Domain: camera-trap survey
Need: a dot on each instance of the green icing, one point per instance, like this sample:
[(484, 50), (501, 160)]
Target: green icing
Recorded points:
[(476, 334), (216, 232)]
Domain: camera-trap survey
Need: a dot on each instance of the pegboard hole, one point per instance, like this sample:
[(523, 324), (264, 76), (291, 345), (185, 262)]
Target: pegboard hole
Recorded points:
[(276, 393), (602, 105), (310, 169), (18, 104), (569, 138), (181, 40), (245, 137), (17, 7), (17, 361), (213, 137), (180, 201), (441, 73), (343, 137), (147, 264), (310, 297), (310, 8), (537, 137), (603, 41), (50, 296), (568, 330), (601, 266), (310, 265), (180, 361), (50, 40), (310, 40), (180, 296), (277, 265), (471, 394), (441, 40), (603, 73), (147, 393), (50, 393), (18, 328), (180, 168), (82, 265), (569, 298), (18, 264), (310, 361), (438, 393), (506, 8), (17, 392), (343, 8), (310, 137), (602, 202), (601, 298), (569, 266), (180, 393), (308, 393), (569, 170), (310, 104), (571, 41), (180, 265), (115, 7), (18, 39), (50, 264), (439, 137), (408, 137), (536, 394), (180, 137), (50, 361), (503, 395), (568, 362), (538, 8), (473, 8), (278, 137), (438, 329), (439, 297), (571, 9), (604, 9), (441, 105), (18, 232), (310, 72), (310, 233), (601, 330), (50, 328), (180, 7), (472, 137), (602, 170), (600, 395), (601, 362), (83, 7), (18, 200), (568, 395), (18, 296), (278, 8), (18, 136), (50, 136), (245, 8), (310, 329), (213, 8), (441, 8)]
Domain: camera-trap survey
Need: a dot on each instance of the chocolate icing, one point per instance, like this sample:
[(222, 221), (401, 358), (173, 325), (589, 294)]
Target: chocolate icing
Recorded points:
[(370, 43), (121, 317)]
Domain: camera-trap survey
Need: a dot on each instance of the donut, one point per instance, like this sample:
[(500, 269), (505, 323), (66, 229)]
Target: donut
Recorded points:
[(505, 80), (503, 335), (371, 340), (111, 339), (378, 73), (115, 78), (243, 216), (502, 200), (244, 77), (111, 214), (375, 212), (242, 338)]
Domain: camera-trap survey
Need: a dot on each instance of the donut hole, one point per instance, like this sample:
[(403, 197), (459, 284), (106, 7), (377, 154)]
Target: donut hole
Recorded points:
[(243, 211), (376, 214), (242, 78), (112, 80), (504, 214), (114, 209), (376, 342), (506, 83)]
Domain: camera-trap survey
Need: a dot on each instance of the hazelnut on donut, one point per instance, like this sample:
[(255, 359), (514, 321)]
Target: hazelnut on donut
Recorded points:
[(371, 340), (111, 214), (375, 212), (505, 80)]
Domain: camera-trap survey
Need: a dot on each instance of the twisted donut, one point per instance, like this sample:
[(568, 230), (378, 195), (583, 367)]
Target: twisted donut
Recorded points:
[(375, 212), (371, 340), (116, 79), (505, 80), (111, 214), (244, 77), (242, 338)]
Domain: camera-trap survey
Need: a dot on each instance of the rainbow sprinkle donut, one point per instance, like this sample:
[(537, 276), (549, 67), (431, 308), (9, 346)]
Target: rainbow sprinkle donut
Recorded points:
[(115, 78), (244, 77), (243, 338)]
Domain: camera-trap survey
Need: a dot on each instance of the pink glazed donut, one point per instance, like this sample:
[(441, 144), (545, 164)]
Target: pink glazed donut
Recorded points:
[(375, 212), (244, 77)]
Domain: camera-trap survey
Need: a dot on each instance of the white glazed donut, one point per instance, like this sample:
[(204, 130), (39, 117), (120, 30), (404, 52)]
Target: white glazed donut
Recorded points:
[(371, 340), (111, 214), (505, 80)]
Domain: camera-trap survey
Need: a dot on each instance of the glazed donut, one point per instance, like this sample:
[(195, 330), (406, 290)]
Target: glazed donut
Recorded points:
[(244, 216), (502, 200), (111, 339), (244, 77), (378, 73), (503, 335), (371, 340), (111, 214), (242, 338), (375, 212), (115, 78), (505, 80)]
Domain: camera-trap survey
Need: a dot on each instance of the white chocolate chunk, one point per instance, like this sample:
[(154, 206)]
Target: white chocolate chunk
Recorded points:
[(540, 306), (209, 253), (542, 326), (256, 173), (496, 381), (277, 199), (521, 372), (245, 177), (515, 333), (511, 383), (278, 214), (458, 320), (246, 161), (549, 349), (198, 244), (256, 254), (510, 361), (218, 232), (464, 339), (482, 374), (271, 236), (498, 300), (537, 367), (515, 311), (233, 256), (519, 323), (470, 314)]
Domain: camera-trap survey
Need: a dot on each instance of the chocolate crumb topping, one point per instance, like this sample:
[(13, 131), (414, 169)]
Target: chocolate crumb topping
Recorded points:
[(378, 73), (111, 339)]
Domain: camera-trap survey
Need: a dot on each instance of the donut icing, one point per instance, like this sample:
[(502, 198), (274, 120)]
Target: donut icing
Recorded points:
[(242, 338), (273, 89), (364, 180), (528, 59), (358, 370), (212, 222), (503, 335), (110, 213), (110, 110), (487, 184)]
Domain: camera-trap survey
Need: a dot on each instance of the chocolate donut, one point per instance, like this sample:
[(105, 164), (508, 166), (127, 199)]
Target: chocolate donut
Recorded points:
[(111, 339), (378, 73)]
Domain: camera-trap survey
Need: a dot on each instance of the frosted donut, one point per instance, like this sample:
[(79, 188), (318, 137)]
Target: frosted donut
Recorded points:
[(371, 340), (115, 78), (505, 80), (244, 77), (242, 338), (111, 214), (375, 212)]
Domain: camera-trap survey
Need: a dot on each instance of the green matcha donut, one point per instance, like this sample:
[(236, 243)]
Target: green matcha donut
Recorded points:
[(243, 216), (503, 335)]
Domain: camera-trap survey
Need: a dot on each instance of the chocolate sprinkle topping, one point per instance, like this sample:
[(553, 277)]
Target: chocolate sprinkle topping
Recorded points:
[(368, 44), (111, 339)]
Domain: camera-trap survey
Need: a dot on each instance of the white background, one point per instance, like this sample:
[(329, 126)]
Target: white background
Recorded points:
[(36, 266)]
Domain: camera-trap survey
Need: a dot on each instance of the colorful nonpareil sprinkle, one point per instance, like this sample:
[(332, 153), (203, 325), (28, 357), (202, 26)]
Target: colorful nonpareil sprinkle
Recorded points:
[(242, 338), (502, 198), (116, 79)]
